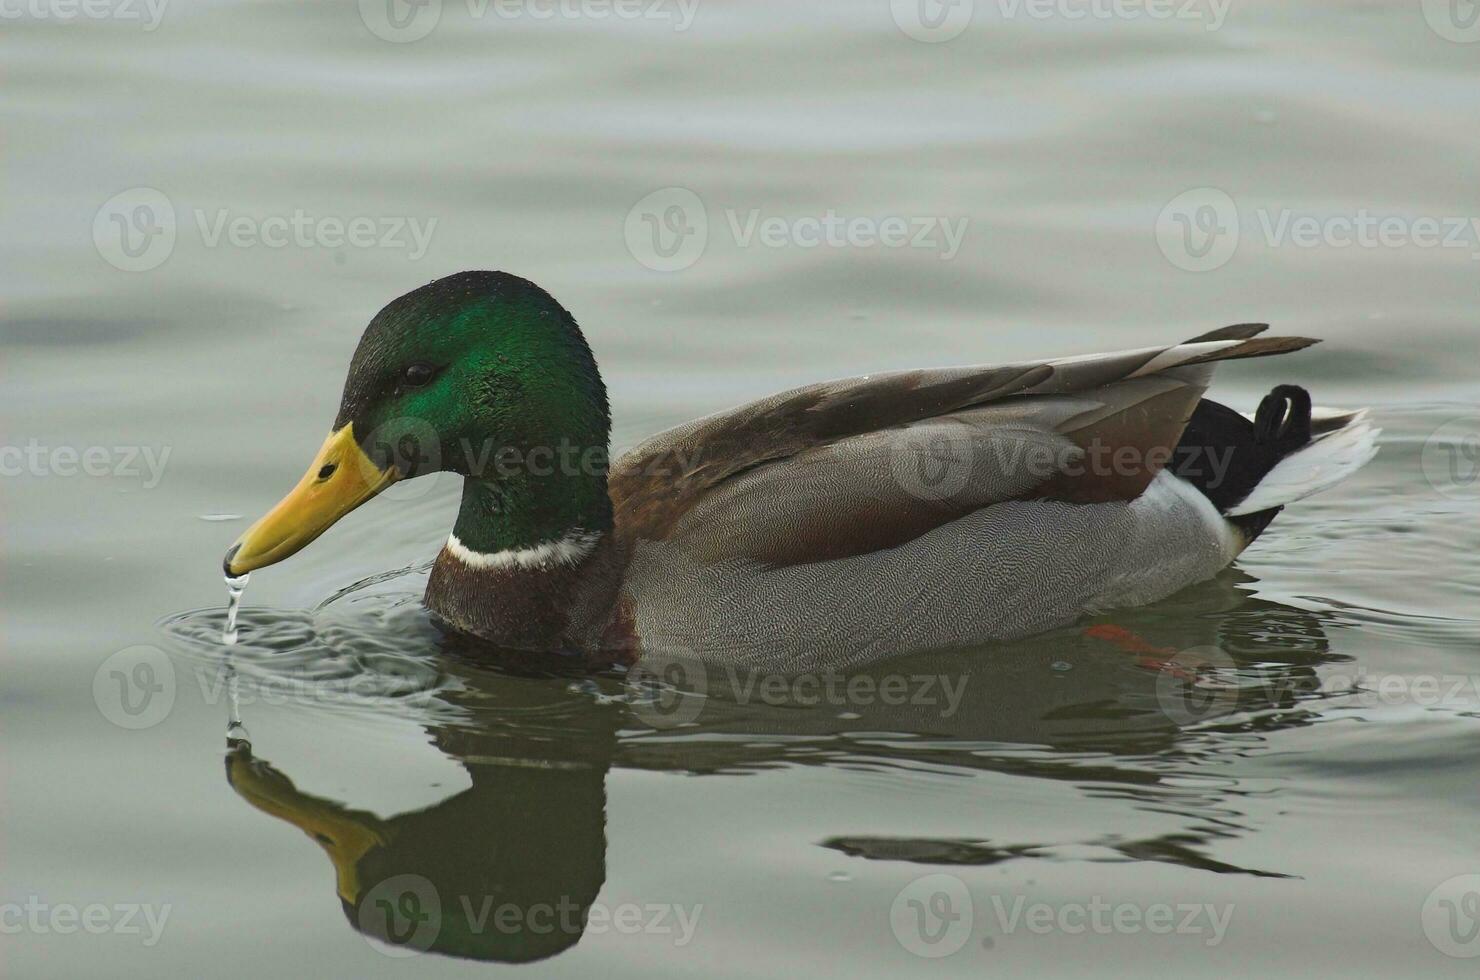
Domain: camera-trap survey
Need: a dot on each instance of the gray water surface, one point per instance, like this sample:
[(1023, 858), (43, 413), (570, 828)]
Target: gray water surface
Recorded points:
[(1284, 758)]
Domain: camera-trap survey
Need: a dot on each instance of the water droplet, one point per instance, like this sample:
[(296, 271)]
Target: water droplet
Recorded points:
[(840, 876), (1062, 665), (849, 715), (234, 589), (220, 517), (237, 732)]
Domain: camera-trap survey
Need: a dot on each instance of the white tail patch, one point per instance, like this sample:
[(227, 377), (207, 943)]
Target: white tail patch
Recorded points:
[(1327, 461)]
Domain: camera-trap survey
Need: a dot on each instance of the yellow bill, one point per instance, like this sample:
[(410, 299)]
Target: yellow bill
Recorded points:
[(340, 479), (346, 835)]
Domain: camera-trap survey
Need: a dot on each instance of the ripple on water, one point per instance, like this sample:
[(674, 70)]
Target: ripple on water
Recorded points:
[(370, 651), (361, 651)]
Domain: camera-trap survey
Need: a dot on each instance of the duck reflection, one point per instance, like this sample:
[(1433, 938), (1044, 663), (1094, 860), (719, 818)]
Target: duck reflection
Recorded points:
[(510, 868), (505, 870)]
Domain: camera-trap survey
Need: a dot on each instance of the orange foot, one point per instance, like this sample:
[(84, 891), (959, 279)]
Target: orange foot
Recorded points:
[(1151, 657)]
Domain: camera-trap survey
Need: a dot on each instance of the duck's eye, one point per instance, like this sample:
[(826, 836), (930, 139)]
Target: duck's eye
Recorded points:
[(417, 375)]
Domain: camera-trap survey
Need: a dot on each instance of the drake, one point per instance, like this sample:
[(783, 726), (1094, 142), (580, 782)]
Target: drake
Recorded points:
[(828, 525)]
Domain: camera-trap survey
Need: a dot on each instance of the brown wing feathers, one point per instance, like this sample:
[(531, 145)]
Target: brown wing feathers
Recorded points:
[(655, 485)]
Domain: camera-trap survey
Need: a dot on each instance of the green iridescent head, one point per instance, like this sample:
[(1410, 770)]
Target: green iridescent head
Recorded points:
[(482, 374), (473, 374)]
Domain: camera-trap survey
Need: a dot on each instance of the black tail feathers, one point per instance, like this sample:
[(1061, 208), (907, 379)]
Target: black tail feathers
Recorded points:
[(1225, 455), (1283, 419)]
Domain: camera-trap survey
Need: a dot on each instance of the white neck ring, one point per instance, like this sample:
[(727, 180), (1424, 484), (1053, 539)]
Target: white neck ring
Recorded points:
[(569, 550)]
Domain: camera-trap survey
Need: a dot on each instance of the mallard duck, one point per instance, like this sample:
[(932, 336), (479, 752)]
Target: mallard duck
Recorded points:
[(827, 525)]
